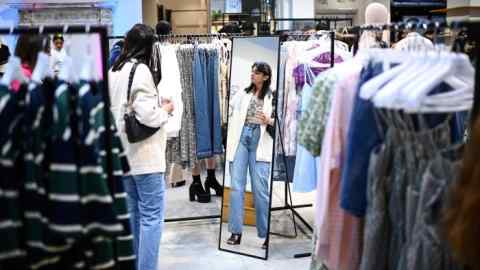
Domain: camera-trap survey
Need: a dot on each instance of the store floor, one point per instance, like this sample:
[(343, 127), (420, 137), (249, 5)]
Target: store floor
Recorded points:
[(194, 244)]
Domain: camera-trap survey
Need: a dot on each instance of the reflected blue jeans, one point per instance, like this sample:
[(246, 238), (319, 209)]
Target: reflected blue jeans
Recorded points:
[(146, 205), (246, 158)]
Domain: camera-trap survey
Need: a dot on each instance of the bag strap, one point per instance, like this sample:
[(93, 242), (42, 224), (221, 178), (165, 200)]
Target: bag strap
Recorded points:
[(130, 80)]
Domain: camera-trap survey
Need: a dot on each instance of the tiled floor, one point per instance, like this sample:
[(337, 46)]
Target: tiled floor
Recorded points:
[(194, 244)]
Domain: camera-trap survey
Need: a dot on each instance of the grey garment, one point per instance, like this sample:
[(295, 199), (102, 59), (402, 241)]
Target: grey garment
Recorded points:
[(173, 151), (396, 202), (411, 152), (255, 105), (428, 250), (420, 149), (188, 146), (377, 226)]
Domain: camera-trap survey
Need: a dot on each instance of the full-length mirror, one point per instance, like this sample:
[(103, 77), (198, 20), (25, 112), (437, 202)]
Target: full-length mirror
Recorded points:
[(249, 151)]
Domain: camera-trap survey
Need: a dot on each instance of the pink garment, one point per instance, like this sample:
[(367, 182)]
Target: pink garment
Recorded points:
[(27, 71), (339, 233), (291, 100)]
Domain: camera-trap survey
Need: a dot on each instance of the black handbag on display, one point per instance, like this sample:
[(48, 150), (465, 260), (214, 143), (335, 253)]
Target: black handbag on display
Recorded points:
[(136, 131)]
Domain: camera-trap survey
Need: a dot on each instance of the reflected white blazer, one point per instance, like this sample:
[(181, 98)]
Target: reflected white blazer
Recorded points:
[(239, 106)]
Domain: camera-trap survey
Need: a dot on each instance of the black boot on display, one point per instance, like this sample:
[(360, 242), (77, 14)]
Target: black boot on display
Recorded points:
[(179, 184), (212, 183), (197, 192), (234, 239)]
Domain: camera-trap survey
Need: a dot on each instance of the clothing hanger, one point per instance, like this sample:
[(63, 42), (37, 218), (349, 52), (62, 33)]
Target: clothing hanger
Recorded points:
[(87, 70), (458, 66), (392, 93), (67, 73), (461, 79), (387, 56), (13, 71), (42, 68)]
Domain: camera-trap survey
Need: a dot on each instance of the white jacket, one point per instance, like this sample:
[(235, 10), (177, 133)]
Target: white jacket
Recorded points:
[(239, 105), (170, 87), (147, 156)]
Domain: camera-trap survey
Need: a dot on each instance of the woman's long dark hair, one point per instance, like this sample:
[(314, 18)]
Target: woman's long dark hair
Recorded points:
[(28, 47), (138, 44), (267, 71), (461, 218)]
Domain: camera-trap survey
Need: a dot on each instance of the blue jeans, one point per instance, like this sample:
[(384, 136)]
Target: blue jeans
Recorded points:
[(207, 106), (246, 158), (146, 204)]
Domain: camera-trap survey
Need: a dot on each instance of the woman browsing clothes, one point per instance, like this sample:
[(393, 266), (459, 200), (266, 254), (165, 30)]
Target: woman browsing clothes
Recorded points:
[(249, 147), (145, 185)]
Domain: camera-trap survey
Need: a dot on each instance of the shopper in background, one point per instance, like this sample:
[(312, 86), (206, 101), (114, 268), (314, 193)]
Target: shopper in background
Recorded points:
[(163, 28), (145, 185), (115, 52), (230, 28), (58, 53), (248, 29), (4, 55), (27, 49)]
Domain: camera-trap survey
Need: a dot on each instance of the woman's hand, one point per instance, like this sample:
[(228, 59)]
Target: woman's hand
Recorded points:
[(167, 105), (264, 119)]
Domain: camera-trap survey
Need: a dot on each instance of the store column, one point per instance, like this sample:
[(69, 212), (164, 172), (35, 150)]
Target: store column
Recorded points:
[(294, 9)]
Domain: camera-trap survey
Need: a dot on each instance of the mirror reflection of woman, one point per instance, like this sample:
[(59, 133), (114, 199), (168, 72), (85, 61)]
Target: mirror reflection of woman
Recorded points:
[(249, 147)]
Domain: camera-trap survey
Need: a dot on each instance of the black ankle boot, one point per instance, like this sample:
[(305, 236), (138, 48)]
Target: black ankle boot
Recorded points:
[(212, 183), (179, 184), (197, 192), (234, 239), (265, 244)]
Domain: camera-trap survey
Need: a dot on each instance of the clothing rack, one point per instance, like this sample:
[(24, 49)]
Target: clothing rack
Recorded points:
[(219, 35), (324, 19), (471, 27), (83, 29), (288, 202)]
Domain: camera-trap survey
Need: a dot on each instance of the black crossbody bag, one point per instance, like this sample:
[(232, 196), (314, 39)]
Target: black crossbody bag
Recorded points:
[(136, 131)]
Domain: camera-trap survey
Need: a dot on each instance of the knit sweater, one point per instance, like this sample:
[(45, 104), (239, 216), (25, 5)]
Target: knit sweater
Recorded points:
[(147, 156)]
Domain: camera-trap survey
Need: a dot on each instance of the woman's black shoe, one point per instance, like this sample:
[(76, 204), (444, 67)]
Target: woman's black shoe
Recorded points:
[(265, 244), (234, 239), (197, 192), (212, 183)]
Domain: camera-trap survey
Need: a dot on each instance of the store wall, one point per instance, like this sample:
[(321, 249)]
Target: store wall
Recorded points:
[(188, 16), (346, 8), (8, 17), (126, 13), (303, 9)]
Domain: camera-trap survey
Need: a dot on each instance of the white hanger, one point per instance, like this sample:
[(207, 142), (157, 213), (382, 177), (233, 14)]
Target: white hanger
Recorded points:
[(391, 94), (13, 71), (372, 86), (66, 72), (459, 66), (41, 68), (88, 70)]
